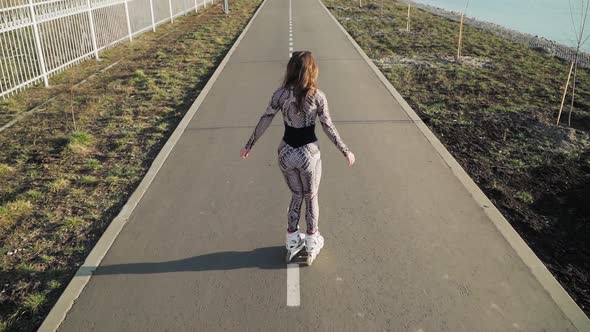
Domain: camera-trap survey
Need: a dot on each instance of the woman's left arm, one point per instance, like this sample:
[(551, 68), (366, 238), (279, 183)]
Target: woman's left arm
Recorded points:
[(328, 125)]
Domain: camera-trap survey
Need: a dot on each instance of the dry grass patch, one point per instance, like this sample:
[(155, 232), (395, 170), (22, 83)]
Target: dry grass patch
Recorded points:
[(5, 171), (58, 185), (13, 212)]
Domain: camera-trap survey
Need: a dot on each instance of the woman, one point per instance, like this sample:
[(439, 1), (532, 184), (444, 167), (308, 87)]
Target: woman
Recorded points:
[(301, 102)]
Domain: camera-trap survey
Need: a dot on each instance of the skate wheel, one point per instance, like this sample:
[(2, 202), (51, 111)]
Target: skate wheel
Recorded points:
[(309, 260), (287, 257)]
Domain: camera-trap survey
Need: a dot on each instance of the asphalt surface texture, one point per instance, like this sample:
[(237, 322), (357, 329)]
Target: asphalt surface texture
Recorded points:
[(407, 247)]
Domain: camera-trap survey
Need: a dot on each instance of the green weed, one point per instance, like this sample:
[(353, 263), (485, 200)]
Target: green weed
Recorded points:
[(72, 223), (46, 259), (92, 165), (58, 185), (80, 142), (53, 284), (143, 82), (33, 302), (33, 195), (525, 197), (88, 180), (25, 268)]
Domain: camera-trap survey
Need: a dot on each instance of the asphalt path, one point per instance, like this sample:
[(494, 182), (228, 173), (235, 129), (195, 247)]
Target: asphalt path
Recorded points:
[(407, 247)]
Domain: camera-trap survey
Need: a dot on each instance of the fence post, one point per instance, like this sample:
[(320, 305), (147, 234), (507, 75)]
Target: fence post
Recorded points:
[(38, 44), (92, 33), (171, 15), (152, 13), (128, 22)]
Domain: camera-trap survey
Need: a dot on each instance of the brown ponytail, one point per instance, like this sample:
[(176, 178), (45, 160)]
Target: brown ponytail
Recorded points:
[(302, 73)]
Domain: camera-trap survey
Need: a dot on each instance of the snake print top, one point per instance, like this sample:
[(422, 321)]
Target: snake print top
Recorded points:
[(316, 106)]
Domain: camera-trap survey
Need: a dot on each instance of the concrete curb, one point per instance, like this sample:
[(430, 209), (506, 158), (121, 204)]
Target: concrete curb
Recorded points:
[(563, 300), (84, 273)]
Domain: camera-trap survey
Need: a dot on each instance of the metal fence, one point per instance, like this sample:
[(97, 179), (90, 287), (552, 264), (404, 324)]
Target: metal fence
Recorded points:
[(39, 38)]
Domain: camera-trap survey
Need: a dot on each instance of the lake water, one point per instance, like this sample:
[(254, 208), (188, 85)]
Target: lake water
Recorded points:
[(551, 19)]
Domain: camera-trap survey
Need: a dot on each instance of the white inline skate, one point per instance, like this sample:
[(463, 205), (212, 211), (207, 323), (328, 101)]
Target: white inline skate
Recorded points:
[(295, 242), (313, 244)]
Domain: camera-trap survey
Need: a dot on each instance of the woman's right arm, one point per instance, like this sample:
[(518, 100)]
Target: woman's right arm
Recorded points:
[(330, 128), (328, 125), (265, 119)]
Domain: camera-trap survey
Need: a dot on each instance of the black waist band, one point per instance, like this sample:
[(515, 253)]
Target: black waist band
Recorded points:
[(297, 137)]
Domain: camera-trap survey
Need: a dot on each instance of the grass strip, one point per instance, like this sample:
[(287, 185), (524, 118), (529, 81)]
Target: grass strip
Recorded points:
[(67, 168), (495, 111)]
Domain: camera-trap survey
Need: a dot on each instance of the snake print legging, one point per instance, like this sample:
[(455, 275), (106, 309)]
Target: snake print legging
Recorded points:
[(302, 168)]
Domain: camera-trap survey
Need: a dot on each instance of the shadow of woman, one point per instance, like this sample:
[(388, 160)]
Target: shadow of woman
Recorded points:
[(263, 258)]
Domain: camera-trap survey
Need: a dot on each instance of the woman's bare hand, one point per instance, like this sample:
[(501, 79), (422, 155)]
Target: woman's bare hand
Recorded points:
[(350, 158), (244, 153)]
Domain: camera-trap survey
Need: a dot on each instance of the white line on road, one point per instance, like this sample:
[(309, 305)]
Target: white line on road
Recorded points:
[(293, 297), (291, 48)]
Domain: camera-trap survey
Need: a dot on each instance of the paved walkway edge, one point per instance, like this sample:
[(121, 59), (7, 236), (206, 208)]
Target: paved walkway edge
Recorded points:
[(563, 300), (84, 273)]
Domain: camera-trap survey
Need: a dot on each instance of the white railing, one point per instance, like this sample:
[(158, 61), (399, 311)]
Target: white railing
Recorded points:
[(39, 38)]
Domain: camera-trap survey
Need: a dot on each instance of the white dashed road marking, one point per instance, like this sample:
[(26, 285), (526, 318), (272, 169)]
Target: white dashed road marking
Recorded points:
[(293, 296)]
